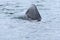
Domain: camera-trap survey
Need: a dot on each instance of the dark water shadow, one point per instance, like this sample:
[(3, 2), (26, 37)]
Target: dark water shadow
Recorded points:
[(44, 9), (40, 5), (25, 18), (43, 0), (21, 17), (9, 13), (1, 5)]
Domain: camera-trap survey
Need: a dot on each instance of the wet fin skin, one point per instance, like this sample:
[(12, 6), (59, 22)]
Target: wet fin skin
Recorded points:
[(33, 13)]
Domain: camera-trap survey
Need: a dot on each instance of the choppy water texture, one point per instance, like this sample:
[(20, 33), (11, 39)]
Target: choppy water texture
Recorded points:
[(12, 28)]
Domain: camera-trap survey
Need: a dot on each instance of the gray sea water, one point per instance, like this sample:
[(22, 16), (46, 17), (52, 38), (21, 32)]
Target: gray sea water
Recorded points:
[(18, 29)]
